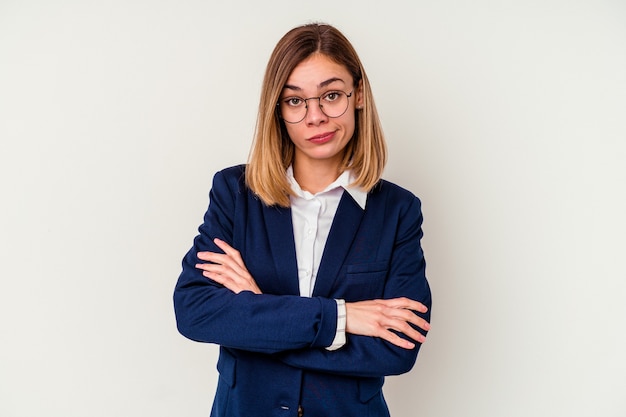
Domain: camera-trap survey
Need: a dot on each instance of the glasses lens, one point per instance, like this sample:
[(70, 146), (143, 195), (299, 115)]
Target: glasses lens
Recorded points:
[(332, 104), (293, 109)]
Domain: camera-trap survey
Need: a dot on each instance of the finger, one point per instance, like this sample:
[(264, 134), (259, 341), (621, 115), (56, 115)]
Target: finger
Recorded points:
[(223, 280), (222, 259), (232, 253), (220, 279), (229, 278), (204, 256), (217, 268), (397, 340), (398, 320), (223, 270), (223, 245), (219, 258), (405, 303), (221, 274), (410, 332), (408, 304), (400, 325), (408, 316), (229, 250)]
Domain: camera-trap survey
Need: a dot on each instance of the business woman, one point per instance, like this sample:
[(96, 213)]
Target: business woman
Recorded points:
[(308, 270)]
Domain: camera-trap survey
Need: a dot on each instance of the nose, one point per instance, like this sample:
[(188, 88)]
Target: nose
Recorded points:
[(314, 113)]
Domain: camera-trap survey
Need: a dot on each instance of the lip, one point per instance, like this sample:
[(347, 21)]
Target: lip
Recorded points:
[(322, 138)]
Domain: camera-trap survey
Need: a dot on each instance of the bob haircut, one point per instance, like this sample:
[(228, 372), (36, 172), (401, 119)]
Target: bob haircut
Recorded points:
[(272, 150)]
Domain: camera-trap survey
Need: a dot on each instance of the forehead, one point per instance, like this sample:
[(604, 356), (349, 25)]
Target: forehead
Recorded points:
[(317, 69)]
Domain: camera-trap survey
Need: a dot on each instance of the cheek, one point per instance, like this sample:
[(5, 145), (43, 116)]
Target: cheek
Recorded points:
[(350, 123), (292, 132)]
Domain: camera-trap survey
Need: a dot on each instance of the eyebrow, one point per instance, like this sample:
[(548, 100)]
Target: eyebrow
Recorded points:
[(321, 85)]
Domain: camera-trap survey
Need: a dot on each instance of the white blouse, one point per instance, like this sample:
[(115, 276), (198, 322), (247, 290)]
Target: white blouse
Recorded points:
[(312, 216)]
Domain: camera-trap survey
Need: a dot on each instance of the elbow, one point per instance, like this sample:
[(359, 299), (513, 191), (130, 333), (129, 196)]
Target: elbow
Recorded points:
[(402, 360), (185, 326), (187, 322), (404, 366), (194, 328)]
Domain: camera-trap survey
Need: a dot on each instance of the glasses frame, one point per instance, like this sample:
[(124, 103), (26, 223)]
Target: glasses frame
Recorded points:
[(319, 104)]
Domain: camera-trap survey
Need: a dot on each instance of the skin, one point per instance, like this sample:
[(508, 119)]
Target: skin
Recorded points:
[(316, 165)]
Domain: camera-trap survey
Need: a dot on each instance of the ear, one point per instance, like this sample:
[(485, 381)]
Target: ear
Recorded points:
[(359, 100)]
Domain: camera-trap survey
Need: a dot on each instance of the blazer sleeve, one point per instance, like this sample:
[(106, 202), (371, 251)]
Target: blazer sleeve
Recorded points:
[(365, 356), (208, 312)]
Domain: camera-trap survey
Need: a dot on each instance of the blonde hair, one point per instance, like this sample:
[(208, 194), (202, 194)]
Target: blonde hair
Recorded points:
[(272, 151)]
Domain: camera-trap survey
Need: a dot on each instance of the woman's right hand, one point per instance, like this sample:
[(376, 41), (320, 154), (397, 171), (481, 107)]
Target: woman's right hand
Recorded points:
[(378, 318), (227, 269)]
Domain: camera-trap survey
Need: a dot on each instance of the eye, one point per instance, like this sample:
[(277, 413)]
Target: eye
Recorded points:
[(332, 96), (293, 101)]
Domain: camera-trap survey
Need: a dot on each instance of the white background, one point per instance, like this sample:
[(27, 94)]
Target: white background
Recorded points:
[(507, 118)]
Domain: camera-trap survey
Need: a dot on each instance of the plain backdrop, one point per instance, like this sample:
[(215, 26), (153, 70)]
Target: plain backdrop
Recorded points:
[(507, 118)]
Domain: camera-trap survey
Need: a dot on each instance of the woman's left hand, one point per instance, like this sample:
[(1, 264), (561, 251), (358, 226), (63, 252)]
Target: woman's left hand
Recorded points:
[(227, 269)]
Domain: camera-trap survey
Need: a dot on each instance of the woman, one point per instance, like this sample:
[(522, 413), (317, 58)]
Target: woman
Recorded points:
[(308, 270)]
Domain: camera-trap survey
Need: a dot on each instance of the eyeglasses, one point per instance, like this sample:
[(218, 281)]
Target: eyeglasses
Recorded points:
[(332, 103)]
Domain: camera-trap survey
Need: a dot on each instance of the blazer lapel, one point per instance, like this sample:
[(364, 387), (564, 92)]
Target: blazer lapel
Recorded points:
[(342, 233), (279, 230)]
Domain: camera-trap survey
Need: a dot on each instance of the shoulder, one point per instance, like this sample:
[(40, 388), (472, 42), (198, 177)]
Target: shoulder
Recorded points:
[(232, 177), (233, 173), (398, 205), (394, 193), (228, 183)]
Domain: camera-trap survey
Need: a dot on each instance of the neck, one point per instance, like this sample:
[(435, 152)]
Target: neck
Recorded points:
[(315, 177)]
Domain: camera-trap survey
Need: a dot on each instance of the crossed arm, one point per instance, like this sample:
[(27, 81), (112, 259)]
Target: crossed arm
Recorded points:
[(382, 318)]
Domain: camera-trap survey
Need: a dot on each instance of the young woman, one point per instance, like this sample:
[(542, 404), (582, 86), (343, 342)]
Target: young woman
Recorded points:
[(308, 270)]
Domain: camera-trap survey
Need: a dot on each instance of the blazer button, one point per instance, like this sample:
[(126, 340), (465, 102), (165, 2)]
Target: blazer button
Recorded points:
[(300, 411)]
